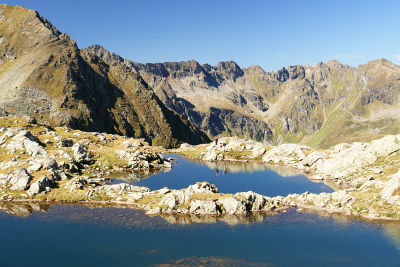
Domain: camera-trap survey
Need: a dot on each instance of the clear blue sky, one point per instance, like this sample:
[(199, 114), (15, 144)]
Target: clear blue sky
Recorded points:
[(271, 34)]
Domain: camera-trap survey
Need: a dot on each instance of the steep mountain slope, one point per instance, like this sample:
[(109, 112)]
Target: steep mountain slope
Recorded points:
[(190, 90), (316, 105), (44, 74)]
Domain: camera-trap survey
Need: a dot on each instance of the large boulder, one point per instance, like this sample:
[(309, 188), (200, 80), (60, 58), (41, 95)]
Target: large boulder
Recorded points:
[(203, 207), (24, 140), (81, 153), (254, 201), (231, 205), (314, 157), (10, 132), (258, 150), (211, 155), (385, 146), (286, 153), (391, 191), (170, 201), (346, 160), (44, 184), (203, 187), (19, 179)]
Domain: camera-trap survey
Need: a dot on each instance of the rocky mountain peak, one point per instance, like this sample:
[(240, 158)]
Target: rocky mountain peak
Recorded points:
[(256, 69), (230, 70), (291, 72), (22, 22), (178, 68), (107, 56), (44, 75), (282, 75), (382, 64)]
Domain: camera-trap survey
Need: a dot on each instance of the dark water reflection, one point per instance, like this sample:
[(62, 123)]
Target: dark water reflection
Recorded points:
[(232, 177), (65, 235)]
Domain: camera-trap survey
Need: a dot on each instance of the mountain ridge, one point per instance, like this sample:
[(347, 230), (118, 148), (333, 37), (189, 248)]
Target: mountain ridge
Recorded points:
[(45, 75), (297, 103)]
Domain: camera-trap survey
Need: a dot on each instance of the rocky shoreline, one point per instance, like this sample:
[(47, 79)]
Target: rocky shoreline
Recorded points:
[(59, 165), (366, 176)]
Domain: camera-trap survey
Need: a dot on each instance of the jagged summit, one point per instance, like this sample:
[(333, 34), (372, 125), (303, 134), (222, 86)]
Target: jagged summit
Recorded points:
[(44, 74), (104, 54), (308, 104)]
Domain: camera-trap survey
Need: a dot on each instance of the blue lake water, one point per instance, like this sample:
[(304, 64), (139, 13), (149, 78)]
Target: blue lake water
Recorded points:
[(234, 177), (82, 236), (72, 235)]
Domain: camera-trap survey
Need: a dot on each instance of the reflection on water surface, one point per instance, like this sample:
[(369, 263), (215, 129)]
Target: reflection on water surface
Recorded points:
[(110, 236), (233, 177)]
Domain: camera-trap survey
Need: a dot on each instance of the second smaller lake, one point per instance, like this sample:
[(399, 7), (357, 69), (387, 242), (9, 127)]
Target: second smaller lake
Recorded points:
[(233, 177)]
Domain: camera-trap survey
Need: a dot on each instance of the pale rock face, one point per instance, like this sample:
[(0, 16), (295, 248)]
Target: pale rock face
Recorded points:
[(286, 153), (203, 207), (167, 165), (385, 146), (211, 155), (390, 187), (341, 197), (164, 191), (43, 184), (33, 148), (34, 167), (19, 179), (50, 163), (153, 211), (137, 143), (202, 187), (81, 153), (135, 196), (7, 134), (345, 159), (181, 197), (258, 150), (170, 201), (185, 145), (232, 206), (254, 200), (76, 184), (232, 144), (313, 157), (24, 140)]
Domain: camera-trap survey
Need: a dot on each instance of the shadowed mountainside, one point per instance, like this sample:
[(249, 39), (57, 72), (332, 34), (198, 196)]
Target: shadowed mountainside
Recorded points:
[(317, 105), (45, 75)]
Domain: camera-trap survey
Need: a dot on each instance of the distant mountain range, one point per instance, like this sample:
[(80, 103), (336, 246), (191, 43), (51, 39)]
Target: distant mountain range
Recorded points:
[(43, 73)]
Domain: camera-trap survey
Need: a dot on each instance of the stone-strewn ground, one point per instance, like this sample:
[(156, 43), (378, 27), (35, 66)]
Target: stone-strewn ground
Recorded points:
[(39, 163), (366, 176)]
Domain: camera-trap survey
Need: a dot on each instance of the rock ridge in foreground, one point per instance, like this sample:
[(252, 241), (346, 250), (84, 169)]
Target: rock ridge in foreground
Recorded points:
[(40, 163)]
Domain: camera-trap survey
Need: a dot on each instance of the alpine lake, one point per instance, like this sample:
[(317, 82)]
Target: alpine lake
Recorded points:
[(83, 235)]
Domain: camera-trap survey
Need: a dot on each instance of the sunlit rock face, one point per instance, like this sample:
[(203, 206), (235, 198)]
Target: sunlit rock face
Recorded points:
[(314, 105), (44, 74)]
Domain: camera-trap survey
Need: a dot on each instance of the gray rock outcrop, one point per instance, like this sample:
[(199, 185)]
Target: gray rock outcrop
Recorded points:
[(81, 153), (19, 179), (43, 184)]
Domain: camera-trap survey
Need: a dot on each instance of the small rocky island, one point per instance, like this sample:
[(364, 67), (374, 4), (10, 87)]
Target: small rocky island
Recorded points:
[(59, 165)]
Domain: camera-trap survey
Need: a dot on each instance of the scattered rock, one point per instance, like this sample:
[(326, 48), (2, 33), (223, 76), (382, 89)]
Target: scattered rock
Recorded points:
[(286, 153), (19, 179), (81, 154), (203, 207), (211, 155), (66, 142), (44, 184)]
